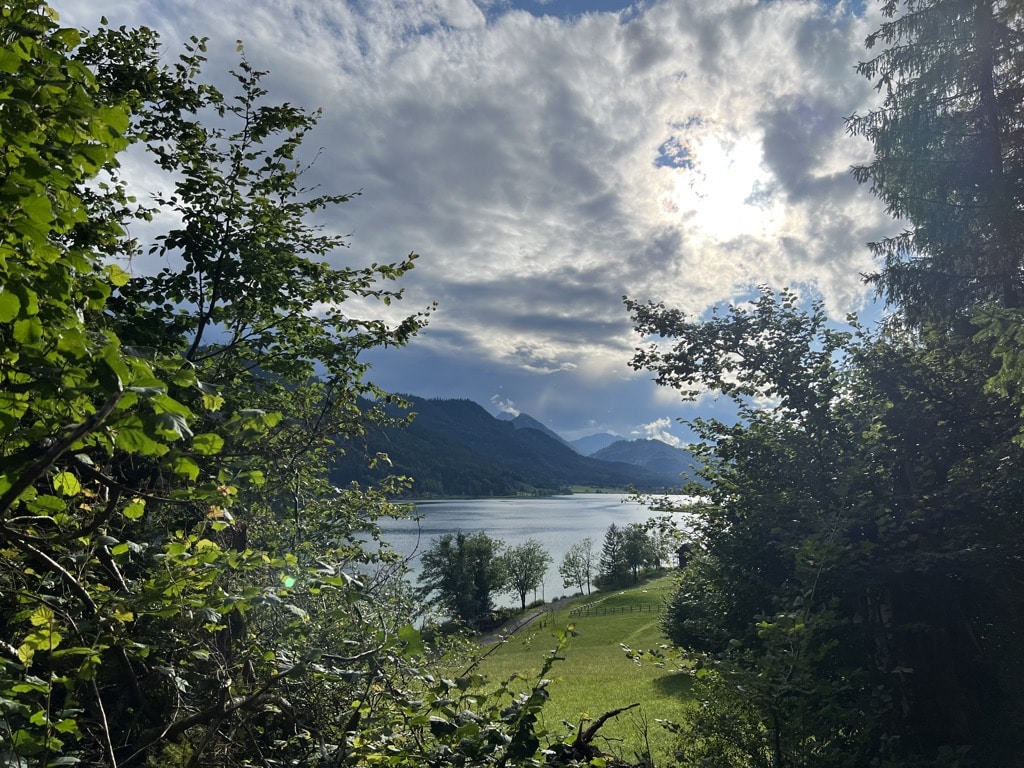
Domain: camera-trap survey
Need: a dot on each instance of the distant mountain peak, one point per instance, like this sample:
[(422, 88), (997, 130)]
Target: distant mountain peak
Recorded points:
[(653, 455), (525, 421), (455, 447), (591, 444)]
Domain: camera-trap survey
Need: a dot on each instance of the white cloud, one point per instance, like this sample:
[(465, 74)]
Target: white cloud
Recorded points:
[(544, 167), (504, 405), (657, 430)]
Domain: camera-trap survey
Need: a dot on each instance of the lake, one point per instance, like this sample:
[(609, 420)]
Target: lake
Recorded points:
[(557, 522)]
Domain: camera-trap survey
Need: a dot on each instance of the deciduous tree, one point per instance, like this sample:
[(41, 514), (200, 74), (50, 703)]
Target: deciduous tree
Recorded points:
[(175, 569), (578, 565), (843, 543), (461, 573), (639, 551), (525, 565)]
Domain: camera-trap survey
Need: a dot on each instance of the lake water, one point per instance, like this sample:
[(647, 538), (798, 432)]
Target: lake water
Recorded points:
[(557, 522)]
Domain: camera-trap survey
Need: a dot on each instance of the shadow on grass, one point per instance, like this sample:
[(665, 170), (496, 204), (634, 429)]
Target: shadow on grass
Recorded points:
[(675, 684)]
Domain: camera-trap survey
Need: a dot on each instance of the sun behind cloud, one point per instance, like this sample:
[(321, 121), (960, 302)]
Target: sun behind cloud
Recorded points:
[(718, 183)]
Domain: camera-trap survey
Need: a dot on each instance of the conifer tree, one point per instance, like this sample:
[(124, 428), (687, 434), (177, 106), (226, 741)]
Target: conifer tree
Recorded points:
[(948, 155)]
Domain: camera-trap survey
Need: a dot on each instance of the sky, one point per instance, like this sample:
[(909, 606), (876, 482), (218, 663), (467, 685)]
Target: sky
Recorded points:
[(547, 158)]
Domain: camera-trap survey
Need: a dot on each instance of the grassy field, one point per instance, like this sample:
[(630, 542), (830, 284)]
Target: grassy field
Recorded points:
[(597, 676)]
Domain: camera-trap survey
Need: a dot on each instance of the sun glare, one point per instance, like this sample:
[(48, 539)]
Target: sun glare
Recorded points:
[(724, 190)]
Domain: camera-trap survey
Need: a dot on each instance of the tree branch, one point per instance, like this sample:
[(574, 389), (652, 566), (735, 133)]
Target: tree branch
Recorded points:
[(214, 713), (73, 584), (56, 450)]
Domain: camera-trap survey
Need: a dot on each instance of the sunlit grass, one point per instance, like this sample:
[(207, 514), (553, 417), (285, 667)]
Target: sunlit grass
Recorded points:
[(597, 676)]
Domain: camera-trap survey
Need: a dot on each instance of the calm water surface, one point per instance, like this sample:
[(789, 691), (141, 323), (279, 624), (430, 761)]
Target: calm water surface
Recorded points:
[(557, 522)]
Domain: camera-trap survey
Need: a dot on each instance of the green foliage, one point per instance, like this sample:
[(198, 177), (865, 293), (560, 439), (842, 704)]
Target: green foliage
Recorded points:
[(179, 583), (578, 565), (625, 554), (458, 720), (524, 566), (612, 566), (843, 593), (461, 573), (947, 155)]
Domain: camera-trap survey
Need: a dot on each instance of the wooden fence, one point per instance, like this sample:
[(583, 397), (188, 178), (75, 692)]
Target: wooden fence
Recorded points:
[(600, 610)]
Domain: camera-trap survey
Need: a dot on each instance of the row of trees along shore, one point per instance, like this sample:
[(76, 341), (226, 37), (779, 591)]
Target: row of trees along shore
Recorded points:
[(462, 573), (180, 585)]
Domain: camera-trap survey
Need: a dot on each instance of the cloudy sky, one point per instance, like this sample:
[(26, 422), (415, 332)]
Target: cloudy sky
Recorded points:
[(546, 158)]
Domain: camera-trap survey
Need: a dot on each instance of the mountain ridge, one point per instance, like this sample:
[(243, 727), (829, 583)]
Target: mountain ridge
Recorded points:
[(454, 447), (525, 421), (654, 455), (590, 444)]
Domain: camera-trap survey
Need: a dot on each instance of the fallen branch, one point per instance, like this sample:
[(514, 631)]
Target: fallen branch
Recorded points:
[(581, 750)]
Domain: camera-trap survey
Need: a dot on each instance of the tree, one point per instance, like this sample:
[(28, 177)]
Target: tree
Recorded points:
[(612, 568), (578, 565), (638, 550), (72, 395), (949, 160), (175, 569), (461, 573), (859, 532), (626, 552), (949, 155), (525, 565), (843, 542), (747, 605)]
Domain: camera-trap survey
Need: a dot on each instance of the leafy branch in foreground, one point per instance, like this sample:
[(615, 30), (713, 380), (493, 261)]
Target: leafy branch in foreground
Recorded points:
[(179, 581)]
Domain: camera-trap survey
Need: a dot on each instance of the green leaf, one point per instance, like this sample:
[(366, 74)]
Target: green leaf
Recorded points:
[(412, 638), (39, 717), (116, 117), (117, 276), (135, 440), (38, 209), (28, 331), (68, 37), (45, 504), (10, 305), (66, 484), (168, 404), (212, 402), (41, 617), (135, 509), (255, 477), (185, 467), (9, 60), (207, 443), (120, 613), (172, 426)]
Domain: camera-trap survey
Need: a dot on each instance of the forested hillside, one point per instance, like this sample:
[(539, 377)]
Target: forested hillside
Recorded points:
[(525, 421), (653, 455), (456, 448)]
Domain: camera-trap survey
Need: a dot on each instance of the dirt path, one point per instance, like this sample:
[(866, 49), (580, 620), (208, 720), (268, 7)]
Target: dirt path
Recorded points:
[(518, 623)]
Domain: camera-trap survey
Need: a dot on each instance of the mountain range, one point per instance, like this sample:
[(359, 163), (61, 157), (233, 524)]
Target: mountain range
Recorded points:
[(456, 448)]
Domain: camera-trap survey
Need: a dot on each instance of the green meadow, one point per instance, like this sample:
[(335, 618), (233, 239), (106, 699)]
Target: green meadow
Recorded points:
[(596, 675)]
